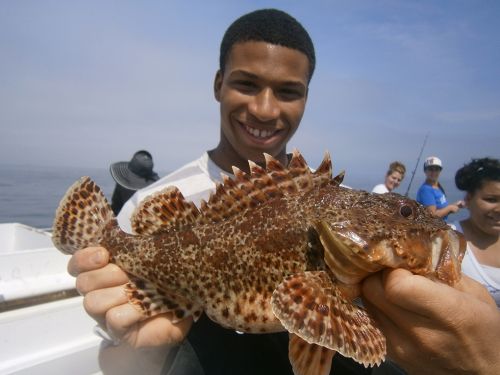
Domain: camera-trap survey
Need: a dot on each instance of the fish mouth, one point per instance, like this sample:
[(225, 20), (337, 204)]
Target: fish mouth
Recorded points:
[(448, 250)]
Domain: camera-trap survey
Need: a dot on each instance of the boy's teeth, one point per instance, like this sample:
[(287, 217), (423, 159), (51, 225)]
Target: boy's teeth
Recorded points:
[(258, 133)]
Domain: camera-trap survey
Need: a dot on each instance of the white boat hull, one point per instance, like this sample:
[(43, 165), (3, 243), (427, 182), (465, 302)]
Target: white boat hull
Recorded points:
[(41, 332)]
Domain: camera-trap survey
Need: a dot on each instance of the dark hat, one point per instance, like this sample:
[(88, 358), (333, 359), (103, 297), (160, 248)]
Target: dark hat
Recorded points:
[(136, 173)]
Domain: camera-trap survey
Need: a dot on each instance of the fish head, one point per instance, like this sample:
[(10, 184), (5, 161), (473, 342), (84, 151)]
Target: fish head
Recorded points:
[(369, 232)]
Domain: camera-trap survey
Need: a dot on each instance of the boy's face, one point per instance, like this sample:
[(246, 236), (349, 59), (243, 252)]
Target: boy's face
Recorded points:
[(262, 96)]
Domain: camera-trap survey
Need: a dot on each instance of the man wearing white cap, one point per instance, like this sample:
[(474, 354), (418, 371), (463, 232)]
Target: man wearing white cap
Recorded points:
[(431, 194)]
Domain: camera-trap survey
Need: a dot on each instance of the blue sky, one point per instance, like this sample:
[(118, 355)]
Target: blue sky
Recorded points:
[(87, 83)]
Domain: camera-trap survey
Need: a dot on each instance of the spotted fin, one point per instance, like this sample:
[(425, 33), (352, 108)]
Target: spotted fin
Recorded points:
[(262, 184), (82, 217), (153, 301), (313, 307), (168, 209), (323, 174), (309, 359), (163, 210), (339, 178), (300, 171)]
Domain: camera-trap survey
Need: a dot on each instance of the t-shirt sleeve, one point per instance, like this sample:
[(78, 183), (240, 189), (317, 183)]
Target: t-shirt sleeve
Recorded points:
[(379, 189), (426, 196)]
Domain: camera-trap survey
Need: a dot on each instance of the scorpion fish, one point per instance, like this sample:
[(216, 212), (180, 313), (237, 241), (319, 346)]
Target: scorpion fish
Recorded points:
[(279, 248)]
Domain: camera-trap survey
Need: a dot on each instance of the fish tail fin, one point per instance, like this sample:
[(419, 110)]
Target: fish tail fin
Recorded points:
[(81, 218)]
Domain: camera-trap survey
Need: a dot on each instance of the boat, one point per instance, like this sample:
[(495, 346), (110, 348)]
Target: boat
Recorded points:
[(44, 327)]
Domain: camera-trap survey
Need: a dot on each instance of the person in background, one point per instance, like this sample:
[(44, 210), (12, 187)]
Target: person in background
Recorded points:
[(480, 179), (393, 178), (262, 88), (431, 194), (131, 176)]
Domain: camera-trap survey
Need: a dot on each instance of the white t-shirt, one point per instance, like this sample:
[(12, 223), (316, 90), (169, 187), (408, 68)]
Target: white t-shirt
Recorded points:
[(196, 180), (380, 189), (487, 275)]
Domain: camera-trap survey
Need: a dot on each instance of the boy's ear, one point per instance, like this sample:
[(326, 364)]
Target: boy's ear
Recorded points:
[(218, 85)]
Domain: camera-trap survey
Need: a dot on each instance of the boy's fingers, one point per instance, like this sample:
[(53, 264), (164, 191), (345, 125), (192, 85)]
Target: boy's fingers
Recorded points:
[(97, 303), (106, 277), (87, 259)]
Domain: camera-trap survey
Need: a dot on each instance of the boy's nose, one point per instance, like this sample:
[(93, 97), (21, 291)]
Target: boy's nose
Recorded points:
[(264, 105)]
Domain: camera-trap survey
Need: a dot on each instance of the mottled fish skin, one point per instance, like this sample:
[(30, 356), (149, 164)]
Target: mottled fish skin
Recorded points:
[(231, 268), (274, 250)]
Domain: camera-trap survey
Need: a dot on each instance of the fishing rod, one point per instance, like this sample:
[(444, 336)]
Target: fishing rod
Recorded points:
[(416, 165)]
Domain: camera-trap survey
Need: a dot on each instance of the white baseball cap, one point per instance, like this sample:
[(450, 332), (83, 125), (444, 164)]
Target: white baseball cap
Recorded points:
[(433, 161)]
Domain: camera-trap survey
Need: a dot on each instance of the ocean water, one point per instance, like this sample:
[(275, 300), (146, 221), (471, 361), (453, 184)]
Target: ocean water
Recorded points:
[(31, 194)]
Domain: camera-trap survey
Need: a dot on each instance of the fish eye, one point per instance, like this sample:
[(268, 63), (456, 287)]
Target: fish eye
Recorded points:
[(406, 211)]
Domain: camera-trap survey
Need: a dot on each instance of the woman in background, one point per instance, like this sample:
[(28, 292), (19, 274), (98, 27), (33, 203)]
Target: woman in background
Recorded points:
[(431, 194), (393, 178), (480, 179)]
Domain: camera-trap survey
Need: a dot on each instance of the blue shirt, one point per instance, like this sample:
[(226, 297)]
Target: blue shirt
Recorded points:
[(431, 196)]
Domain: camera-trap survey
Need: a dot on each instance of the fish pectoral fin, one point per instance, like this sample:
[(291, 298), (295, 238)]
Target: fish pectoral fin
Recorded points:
[(313, 307), (152, 301), (309, 359)]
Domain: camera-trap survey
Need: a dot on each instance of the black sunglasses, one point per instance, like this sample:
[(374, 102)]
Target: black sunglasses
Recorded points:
[(433, 168)]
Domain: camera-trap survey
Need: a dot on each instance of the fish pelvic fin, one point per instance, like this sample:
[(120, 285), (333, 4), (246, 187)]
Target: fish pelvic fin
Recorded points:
[(309, 359), (82, 217), (313, 307), (151, 301)]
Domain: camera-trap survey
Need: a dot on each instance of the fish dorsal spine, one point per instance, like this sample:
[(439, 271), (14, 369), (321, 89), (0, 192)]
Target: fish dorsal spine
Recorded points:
[(169, 210)]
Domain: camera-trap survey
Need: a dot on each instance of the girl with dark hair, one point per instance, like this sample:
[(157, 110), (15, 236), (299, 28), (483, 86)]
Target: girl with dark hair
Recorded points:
[(480, 179)]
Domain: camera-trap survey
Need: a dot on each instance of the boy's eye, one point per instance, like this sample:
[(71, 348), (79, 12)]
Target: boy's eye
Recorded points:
[(290, 94), (245, 84)]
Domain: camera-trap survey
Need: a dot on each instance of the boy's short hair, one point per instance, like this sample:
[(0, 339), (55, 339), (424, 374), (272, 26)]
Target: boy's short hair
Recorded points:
[(270, 26)]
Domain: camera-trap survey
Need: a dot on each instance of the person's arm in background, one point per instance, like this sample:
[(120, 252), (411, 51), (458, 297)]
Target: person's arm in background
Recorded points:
[(142, 343), (427, 198), (442, 212), (434, 328)]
